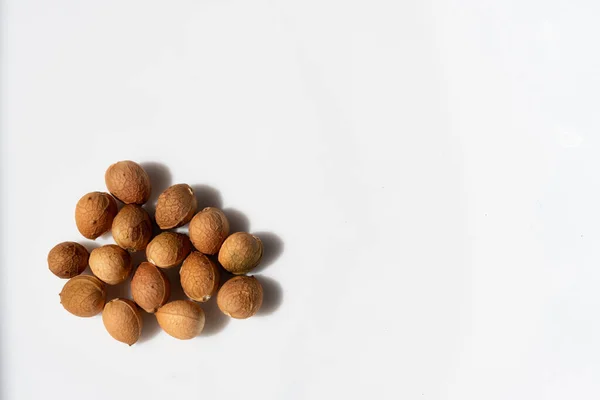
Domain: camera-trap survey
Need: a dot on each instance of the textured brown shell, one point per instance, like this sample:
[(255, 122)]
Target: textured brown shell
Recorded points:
[(175, 206), (122, 320), (83, 296), (94, 214), (208, 230), (128, 182), (182, 319), (132, 228), (240, 253), (68, 259), (150, 288), (168, 249), (240, 297), (110, 263), (199, 277)]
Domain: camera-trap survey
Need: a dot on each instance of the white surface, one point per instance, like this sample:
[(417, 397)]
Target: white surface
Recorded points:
[(430, 167)]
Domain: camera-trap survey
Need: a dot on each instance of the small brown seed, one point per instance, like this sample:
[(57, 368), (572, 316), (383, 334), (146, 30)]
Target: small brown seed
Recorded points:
[(168, 249), (240, 297), (208, 230), (110, 263), (128, 182), (123, 320), (199, 277), (182, 319), (83, 296), (68, 259), (240, 253), (94, 214), (150, 287), (175, 206), (132, 228)]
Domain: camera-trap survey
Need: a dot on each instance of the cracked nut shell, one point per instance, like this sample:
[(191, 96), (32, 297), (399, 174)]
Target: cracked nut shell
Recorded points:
[(94, 214), (168, 249), (83, 296), (208, 230), (132, 228), (122, 320), (175, 206), (182, 319), (68, 259), (199, 277), (240, 253), (150, 288), (110, 263), (128, 182), (240, 297)]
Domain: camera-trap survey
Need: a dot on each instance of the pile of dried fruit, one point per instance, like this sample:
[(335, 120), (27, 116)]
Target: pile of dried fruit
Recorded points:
[(97, 213)]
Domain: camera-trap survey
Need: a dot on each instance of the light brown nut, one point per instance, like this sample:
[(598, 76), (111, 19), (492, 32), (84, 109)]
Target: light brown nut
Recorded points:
[(150, 288), (182, 319), (175, 206), (199, 277), (128, 182), (240, 297), (83, 296), (94, 214), (110, 263), (132, 228), (240, 253), (168, 249), (68, 259), (122, 320), (208, 230)]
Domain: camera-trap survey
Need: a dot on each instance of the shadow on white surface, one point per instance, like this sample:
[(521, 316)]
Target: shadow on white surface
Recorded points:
[(150, 327), (207, 196), (272, 249), (272, 296), (216, 321), (160, 179), (238, 222)]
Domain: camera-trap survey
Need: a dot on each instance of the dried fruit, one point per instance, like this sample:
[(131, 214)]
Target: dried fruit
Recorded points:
[(150, 288), (94, 214), (182, 319), (168, 249), (110, 263), (240, 297), (199, 277), (240, 253), (132, 228), (128, 182), (123, 320), (83, 296), (208, 230), (175, 206), (68, 259)]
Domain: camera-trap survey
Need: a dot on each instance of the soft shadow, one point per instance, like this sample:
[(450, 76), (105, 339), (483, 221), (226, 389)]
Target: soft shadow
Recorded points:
[(272, 296), (121, 290), (177, 292), (150, 327), (238, 222), (89, 245), (207, 196), (160, 179), (137, 258), (216, 321), (272, 249)]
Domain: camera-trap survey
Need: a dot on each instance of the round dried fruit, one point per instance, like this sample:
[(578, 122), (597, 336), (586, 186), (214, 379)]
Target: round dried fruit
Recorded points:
[(150, 287), (199, 277), (128, 182), (240, 253), (83, 296), (208, 230), (110, 263), (132, 228), (240, 297), (182, 319), (175, 206), (94, 214), (123, 320), (68, 259), (168, 249)]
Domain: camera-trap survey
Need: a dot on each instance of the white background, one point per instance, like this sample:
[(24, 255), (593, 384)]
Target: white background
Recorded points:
[(426, 174)]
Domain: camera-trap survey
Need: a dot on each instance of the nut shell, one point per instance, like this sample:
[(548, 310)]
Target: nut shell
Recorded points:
[(68, 259), (150, 288), (240, 253), (83, 296), (168, 249), (94, 214), (128, 182), (175, 206), (240, 297), (182, 319), (122, 320), (199, 277), (110, 263), (132, 228), (208, 230)]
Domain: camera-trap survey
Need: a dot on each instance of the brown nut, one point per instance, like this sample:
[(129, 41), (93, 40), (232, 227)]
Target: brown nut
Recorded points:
[(182, 319), (175, 206), (68, 259), (199, 277), (240, 253), (110, 263), (83, 296), (208, 230), (122, 320), (168, 249), (132, 228), (240, 297), (150, 288), (128, 182), (94, 214)]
